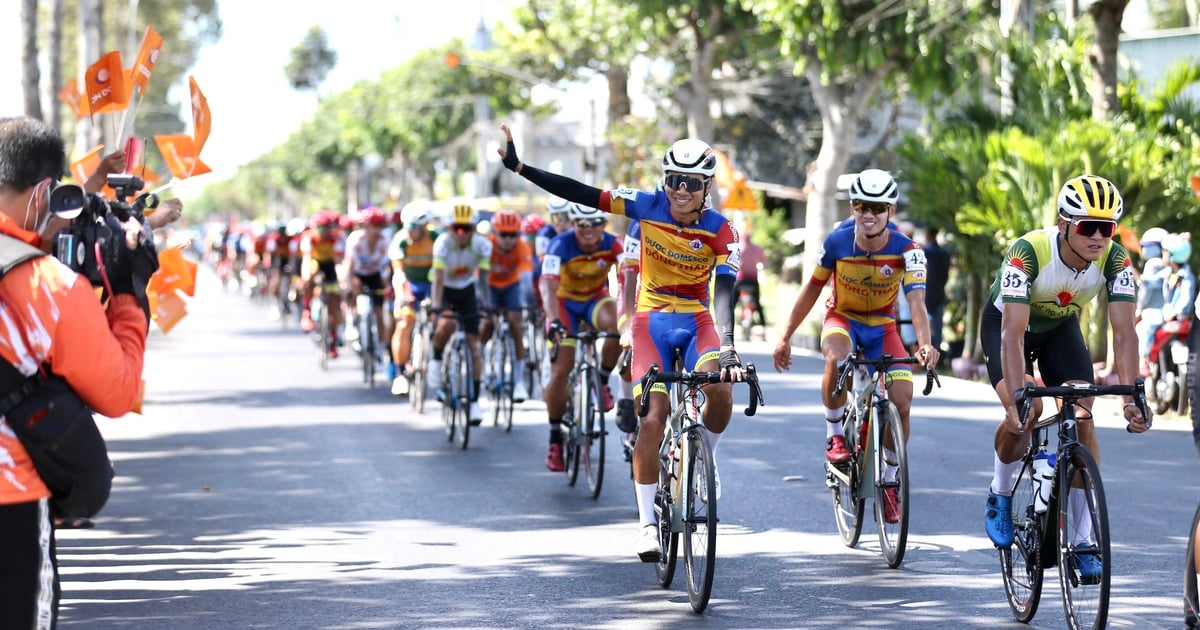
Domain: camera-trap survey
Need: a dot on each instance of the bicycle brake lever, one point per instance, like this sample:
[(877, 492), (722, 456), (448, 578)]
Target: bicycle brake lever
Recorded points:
[(756, 398), (647, 385), (931, 377)]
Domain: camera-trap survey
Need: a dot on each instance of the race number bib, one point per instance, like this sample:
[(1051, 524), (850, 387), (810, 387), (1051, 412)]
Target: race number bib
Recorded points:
[(1014, 283)]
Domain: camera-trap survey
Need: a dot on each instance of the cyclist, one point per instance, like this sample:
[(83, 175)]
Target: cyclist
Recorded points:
[(366, 264), (321, 247), (684, 243), (278, 252), (1150, 296), (575, 274), (509, 276), (461, 259), (411, 252), (1032, 314), (871, 262)]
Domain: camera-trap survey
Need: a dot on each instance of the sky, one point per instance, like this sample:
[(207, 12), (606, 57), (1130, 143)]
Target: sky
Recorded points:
[(242, 75)]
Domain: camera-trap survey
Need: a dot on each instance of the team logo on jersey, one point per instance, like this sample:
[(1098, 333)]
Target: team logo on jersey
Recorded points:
[(695, 244), (886, 271), (1063, 298), (602, 263)]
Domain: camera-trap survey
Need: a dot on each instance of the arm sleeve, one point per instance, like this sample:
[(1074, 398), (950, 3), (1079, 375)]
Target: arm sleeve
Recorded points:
[(562, 186), (723, 307)]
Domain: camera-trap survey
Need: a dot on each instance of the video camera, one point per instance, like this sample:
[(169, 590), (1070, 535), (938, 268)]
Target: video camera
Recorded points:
[(94, 244)]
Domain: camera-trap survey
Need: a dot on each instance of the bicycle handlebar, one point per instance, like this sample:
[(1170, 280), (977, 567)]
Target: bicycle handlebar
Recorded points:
[(847, 366), (1074, 391), (696, 379), (586, 336)]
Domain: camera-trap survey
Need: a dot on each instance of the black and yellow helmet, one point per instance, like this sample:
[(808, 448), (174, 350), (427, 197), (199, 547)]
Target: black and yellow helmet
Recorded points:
[(463, 214), (1090, 197)]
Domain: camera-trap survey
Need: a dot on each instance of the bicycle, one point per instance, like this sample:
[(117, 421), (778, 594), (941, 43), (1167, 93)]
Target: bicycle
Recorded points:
[(1191, 567), (422, 343), (535, 349), (688, 507), (1040, 541), (499, 370), (583, 419), (872, 419), (458, 379), (368, 334), (319, 311)]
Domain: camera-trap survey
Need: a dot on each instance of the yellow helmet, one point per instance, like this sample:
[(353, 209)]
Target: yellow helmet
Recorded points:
[(1090, 197), (463, 214)]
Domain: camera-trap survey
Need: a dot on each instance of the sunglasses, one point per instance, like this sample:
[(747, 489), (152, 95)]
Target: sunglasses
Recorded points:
[(506, 234), (462, 229), (692, 184), (1088, 228), (872, 207), (589, 223)]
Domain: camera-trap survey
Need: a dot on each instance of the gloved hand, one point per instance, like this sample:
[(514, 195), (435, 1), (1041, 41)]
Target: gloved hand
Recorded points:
[(555, 331), (731, 365)]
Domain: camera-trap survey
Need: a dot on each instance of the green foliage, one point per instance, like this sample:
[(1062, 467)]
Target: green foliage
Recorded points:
[(311, 60), (769, 226), (637, 148)]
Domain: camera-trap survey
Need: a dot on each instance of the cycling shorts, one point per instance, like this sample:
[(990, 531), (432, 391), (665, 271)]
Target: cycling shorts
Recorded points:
[(656, 335), (463, 302), (875, 342), (414, 294), (1061, 353), (508, 297), (374, 283), (575, 313)]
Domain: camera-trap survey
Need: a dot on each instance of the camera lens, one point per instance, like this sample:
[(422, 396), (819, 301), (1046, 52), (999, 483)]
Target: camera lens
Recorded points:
[(67, 201)]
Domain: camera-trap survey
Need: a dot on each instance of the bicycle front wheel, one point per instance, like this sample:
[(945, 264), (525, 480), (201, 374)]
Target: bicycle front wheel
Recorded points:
[(366, 339), (1084, 563), (461, 396), (591, 452), (700, 521), (417, 357), (1021, 564), (505, 402), (843, 480), (891, 494), (1191, 597), (668, 538)]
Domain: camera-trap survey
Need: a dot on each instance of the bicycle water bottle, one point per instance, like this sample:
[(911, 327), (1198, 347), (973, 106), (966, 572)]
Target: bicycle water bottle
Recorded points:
[(1043, 477)]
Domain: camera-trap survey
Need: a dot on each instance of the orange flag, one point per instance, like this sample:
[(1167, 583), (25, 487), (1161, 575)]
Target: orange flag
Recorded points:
[(86, 165), (170, 309), (201, 117), (147, 58), (179, 152), (105, 82), (73, 99)]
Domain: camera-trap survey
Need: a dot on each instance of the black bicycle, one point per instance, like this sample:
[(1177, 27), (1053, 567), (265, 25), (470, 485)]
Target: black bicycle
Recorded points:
[(1069, 528)]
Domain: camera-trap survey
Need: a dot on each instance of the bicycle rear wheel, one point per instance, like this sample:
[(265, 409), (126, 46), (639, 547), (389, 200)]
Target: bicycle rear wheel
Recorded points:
[(893, 536), (700, 521), (462, 393), (448, 401), (843, 480), (668, 540), (1191, 597), (1081, 509), (502, 414), (571, 433), (592, 431), (417, 357), (323, 337), (1021, 564), (366, 340)]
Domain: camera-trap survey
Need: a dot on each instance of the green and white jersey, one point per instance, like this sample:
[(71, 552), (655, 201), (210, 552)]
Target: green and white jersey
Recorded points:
[(1035, 274)]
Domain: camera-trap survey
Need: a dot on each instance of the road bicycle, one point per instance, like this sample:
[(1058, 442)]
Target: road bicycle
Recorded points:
[(583, 419), (535, 349), (285, 297), (1191, 567), (323, 334), (686, 499), (418, 358), (876, 440), (457, 384), (1065, 528), (368, 335), (500, 363)]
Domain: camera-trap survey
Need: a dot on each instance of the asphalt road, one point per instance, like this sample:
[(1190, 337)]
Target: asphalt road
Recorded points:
[(257, 491)]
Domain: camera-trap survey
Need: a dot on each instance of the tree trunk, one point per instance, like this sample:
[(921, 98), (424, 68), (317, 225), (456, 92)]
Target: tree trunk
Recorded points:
[(86, 135), (31, 76), (619, 105), (1107, 15), (55, 51)]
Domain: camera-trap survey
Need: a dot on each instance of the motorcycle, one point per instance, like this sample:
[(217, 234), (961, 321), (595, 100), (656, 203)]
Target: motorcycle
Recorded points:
[(1165, 386)]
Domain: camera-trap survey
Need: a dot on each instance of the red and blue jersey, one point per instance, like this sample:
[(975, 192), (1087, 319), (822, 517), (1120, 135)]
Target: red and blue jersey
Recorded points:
[(677, 260), (866, 285), (581, 276)]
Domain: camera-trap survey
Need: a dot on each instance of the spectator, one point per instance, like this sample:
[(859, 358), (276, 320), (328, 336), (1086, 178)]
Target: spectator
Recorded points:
[(937, 273), (753, 259)]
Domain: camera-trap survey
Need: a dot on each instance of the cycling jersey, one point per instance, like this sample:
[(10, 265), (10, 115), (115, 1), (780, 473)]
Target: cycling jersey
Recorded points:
[(632, 259), (542, 239), (415, 255), (460, 263), (1035, 274), (866, 285), (581, 276), (367, 259), (677, 261), (328, 249), (507, 266)]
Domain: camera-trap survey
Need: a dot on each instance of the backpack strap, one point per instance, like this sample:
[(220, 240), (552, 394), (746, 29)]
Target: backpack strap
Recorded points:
[(14, 252)]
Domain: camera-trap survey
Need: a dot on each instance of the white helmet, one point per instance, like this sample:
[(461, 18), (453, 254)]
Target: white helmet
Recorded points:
[(874, 185), (296, 225), (556, 206), (579, 211), (690, 156), (1153, 235), (416, 213)]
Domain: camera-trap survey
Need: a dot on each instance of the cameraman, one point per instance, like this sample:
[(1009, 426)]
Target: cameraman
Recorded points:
[(52, 322)]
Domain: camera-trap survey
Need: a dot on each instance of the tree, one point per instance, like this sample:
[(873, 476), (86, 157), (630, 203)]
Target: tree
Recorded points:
[(30, 75), (311, 61), (855, 54), (1107, 16)]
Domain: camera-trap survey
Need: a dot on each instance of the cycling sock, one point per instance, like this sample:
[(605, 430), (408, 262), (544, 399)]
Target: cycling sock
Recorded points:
[(1080, 518), (889, 470), (1002, 475), (437, 354), (475, 391), (556, 430), (713, 439), (605, 373), (626, 389), (645, 502), (833, 421)]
